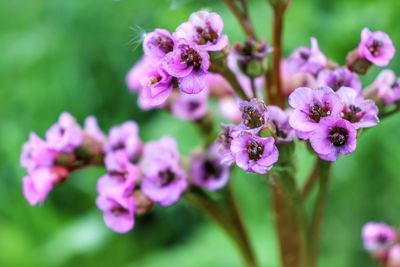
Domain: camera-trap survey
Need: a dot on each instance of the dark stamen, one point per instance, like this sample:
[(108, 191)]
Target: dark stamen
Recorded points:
[(255, 150), (338, 136)]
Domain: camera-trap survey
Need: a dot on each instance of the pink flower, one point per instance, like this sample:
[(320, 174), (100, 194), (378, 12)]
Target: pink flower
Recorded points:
[(189, 64), (394, 256), (38, 184), (37, 154), (280, 119), (190, 107), (66, 135), (91, 128), (378, 236), (338, 78), (376, 47), (158, 43), (205, 30), (136, 73), (386, 87)]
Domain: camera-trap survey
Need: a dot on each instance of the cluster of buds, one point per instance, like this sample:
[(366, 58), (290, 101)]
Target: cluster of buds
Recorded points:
[(383, 242)]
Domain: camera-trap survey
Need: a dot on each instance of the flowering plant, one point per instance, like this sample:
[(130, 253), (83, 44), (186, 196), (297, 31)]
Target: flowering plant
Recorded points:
[(273, 106)]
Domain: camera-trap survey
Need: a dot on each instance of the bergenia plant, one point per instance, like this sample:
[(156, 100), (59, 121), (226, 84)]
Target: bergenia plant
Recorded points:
[(271, 104)]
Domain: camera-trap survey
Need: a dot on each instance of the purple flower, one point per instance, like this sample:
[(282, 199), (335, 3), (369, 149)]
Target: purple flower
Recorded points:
[(39, 182), (254, 115), (394, 256), (65, 135), (293, 80), (207, 171), (307, 59), (125, 137), (205, 30), (376, 47), (91, 128), (253, 153), (338, 78), (223, 144), (135, 74), (361, 113), (37, 154), (190, 107), (164, 181), (118, 209), (118, 163), (157, 85), (334, 136), (386, 87), (189, 64), (310, 106), (378, 236), (158, 43), (280, 120)]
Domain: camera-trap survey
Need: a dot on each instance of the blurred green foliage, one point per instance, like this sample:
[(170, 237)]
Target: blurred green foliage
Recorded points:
[(73, 55)]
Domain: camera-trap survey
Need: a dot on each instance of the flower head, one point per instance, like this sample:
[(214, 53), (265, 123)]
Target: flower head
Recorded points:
[(310, 106), (189, 64), (65, 135), (334, 136), (36, 154), (254, 114), (376, 47), (378, 236), (91, 128), (190, 107), (253, 153), (387, 87), (158, 43), (207, 171), (361, 113), (307, 59), (280, 119), (205, 30), (338, 78), (157, 85), (223, 144), (135, 74)]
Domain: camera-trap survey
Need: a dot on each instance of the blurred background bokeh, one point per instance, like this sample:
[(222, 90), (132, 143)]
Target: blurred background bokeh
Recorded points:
[(73, 55)]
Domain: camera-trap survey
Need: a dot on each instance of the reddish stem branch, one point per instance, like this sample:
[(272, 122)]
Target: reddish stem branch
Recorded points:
[(243, 18), (312, 178)]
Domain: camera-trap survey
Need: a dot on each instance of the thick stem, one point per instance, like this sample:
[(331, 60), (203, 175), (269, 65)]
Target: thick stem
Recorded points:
[(242, 17), (314, 230), (229, 221), (289, 220), (311, 180)]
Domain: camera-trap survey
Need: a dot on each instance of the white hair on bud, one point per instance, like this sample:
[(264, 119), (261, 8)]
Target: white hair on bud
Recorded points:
[(137, 36)]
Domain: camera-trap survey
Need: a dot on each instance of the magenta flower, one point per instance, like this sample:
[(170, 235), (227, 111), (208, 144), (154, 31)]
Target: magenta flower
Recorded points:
[(338, 78), (361, 113), (223, 144), (118, 209), (39, 182), (307, 59), (66, 135), (189, 65), (205, 30), (158, 43), (124, 137), (376, 47), (207, 171), (253, 153), (386, 87), (136, 73), (37, 154), (115, 181), (157, 85), (280, 120), (310, 106), (254, 115), (164, 181), (378, 236), (91, 128), (334, 136), (118, 163), (190, 107)]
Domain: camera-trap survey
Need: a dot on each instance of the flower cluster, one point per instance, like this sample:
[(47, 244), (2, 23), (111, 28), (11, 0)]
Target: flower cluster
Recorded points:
[(383, 242), (179, 60), (330, 120), (252, 143), (66, 147)]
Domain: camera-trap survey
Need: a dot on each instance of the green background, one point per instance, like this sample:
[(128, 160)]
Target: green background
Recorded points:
[(59, 55)]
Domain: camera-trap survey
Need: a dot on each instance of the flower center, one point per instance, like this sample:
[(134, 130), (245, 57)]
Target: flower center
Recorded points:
[(193, 105), (375, 47), (255, 150), (382, 239), (166, 177), (211, 169), (352, 113), (118, 210), (191, 57), (304, 55), (164, 43), (252, 118), (338, 136), (279, 131), (205, 35), (317, 111)]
